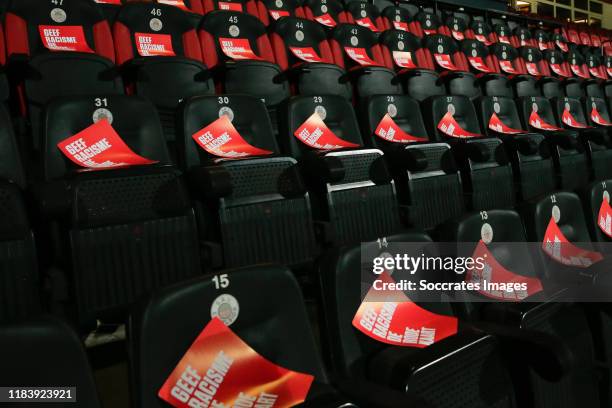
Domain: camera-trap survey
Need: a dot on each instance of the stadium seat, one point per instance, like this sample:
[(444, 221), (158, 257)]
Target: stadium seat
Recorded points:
[(356, 49), (426, 23), (484, 64), (237, 48), (160, 57), (364, 14), (578, 66), (597, 67), (420, 168), (125, 230), (257, 194), (452, 65), (243, 6), (560, 42), (532, 165), (325, 12), (503, 34), (571, 167), (19, 282), (165, 327), (48, 342), (544, 40), (56, 51), (457, 26), (352, 191), (523, 37), (110, 8), (497, 234), (485, 170), (402, 51), (431, 367), (304, 54), (395, 17), (481, 31)]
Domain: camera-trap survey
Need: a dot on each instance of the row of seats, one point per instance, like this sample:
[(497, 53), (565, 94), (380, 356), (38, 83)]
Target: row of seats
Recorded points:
[(157, 53), (302, 184)]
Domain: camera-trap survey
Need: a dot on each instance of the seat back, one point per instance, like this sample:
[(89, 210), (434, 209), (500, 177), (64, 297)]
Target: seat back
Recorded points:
[(544, 40), (115, 217), (503, 34), (162, 331), (259, 196), (481, 31), (425, 24), (395, 17), (24, 347), (364, 14), (524, 37), (479, 59), (273, 10), (457, 26)]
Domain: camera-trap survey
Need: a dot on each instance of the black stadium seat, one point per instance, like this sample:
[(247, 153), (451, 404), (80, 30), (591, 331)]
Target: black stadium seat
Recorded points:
[(356, 49), (532, 165), (126, 230), (50, 343), (19, 285), (352, 192), (237, 49), (420, 168), (304, 54), (571, 166), (160, 57), (163, 330), (56, 50), (241, 200)]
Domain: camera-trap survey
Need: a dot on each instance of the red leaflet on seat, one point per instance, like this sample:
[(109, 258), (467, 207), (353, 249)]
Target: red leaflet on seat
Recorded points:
[(479, 64), (571, 121), (326, 20), (504, 39), (483, 39), (388, 130), (367, 23), (430, 31), (597, 118), (360, 56), (307, 54), (494, 272), (537, 122), (579, 70), (458, 35), (403, 59), (556, 68), (221, 370), (116, 2), (557, 247), (562, 46), (227, 5), (449, 126), (445, 61), (532, 68), (64, 38), (497, 125), (604, 219), (276, 14), (238, 49), (400, 25), (176, 3), (100, 147), (149, 45), (507, 67), (221, 139), (314, 133), (400, 322)]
